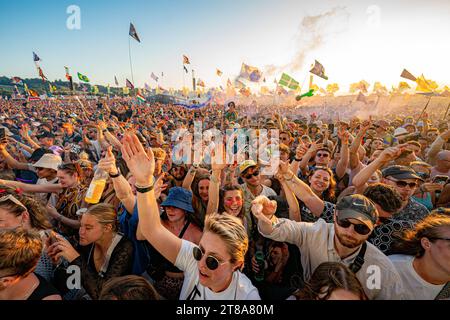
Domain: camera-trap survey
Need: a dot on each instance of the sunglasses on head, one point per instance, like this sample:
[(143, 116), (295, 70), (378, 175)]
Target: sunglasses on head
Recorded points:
[(403, 184), (362, 229), (211, 262), (249, 175)]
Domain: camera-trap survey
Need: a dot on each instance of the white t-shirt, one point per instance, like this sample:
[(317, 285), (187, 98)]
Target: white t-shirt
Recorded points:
[(240, 287), (415, 287), (44, 197)]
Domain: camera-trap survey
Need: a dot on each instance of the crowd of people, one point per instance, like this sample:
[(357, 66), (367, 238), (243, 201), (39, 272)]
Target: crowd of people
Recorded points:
[(356, 208)]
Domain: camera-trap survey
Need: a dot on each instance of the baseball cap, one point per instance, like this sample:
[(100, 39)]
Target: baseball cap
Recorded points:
[(247, 164), (358, 207), (400, 172)]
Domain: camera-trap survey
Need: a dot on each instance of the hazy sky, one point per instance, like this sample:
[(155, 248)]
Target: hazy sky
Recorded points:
[(354, 40)]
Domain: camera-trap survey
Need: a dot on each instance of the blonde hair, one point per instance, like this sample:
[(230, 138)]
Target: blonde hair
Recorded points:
[(20, 251), (231, 230), (105, 214)]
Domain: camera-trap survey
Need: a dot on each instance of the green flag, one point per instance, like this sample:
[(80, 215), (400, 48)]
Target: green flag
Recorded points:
[(310, 93), (83, 77), (289, 82)]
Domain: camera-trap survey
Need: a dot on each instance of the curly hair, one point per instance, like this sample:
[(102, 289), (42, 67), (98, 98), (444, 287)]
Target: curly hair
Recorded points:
[(387, 197)]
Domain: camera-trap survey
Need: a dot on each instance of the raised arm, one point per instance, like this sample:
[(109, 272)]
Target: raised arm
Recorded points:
[(13, 163), (299, 154), (214, 184), (356, 144), (142, 166), (294, 208), (189, 178), (33, 188), (342, 164), (301, 190)]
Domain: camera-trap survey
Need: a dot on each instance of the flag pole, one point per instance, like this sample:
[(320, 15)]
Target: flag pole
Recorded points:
[(423, 111), (446, 112), (129, 54)]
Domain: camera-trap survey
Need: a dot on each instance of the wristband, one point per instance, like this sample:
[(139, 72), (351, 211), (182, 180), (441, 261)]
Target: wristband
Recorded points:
[(144, 189), (115, 175)]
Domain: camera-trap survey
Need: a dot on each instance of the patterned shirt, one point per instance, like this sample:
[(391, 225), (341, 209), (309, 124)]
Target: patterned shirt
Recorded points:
[(384, 235), (413, 211)]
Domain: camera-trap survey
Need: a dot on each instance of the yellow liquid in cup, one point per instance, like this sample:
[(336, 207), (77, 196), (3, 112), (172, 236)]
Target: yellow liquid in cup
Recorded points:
[(95, 191)]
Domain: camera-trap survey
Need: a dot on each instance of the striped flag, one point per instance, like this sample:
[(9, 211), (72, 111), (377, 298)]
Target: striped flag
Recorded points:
[(129, 84), (140, 97), (16, 80), (133, 33)]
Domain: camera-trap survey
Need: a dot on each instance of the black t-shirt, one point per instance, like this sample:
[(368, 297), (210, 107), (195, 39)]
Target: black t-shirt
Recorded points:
[(43, 290)]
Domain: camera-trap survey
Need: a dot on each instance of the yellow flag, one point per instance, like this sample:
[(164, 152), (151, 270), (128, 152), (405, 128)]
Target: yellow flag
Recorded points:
[(332, 88), (126, 90), (423, 85), (404, 85)]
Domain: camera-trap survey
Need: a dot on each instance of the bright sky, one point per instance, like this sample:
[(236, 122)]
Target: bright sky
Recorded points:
[(371, 40)]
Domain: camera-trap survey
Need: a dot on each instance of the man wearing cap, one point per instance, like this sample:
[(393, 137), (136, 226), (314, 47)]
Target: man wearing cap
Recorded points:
[(252, 187), (381, 127), (344, 241), (404, 179)]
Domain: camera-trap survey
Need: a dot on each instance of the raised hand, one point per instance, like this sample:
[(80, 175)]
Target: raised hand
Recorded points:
[(140, 163), (264, 208), (62, 249), (108, 163)]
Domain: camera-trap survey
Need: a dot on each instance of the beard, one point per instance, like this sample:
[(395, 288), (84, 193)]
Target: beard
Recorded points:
[(348, 242)]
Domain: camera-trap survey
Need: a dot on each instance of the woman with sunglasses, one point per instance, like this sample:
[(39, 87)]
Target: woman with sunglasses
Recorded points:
[(211, 268)]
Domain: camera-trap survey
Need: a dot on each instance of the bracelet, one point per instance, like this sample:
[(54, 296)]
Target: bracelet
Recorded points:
[(115, 175), (297, 159), (290, 178), (144, 189)]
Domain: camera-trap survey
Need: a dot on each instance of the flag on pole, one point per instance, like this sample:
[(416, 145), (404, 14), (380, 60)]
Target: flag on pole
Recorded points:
[(362, 98), (95, 89), (318, 70), (250, 73), (35, 57), (33, 93), (82, 77), (115, 81), (423, 85), (219, 73), (147, 87), (25, 86), (140, 97), (186, 60), (289, 82), (133, 33), (200, 83), (185, 69), (16, 91), (154, 77), (69, 78), (16, 80), (41, 74), (126, 90), (407, 75), (129, 84)]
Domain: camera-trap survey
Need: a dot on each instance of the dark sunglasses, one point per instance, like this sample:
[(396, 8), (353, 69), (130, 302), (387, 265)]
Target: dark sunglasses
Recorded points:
[(362, 229), (322, 155), (423, 175), (249, 175), (403, 184), (211, 262)]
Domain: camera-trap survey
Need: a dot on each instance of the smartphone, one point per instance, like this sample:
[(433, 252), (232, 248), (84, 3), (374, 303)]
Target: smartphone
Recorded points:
[(51, 237), (2, 133), (440, 179)]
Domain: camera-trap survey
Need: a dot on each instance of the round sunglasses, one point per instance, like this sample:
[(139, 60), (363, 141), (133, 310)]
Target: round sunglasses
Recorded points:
[(362, 229), (211, 262)]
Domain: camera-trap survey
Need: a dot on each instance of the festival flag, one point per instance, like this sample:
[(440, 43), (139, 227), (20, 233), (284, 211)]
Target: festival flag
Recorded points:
[(69, 78), (82, 77), (140, 97), (147, 87), (407, 75), (239, 84), (264, 90), (310, 93), (41, 74), (16, 91), (186, 60), (16, 80), (318, 70), (154, 77), (185, 69), (200, 83), (126, 91), (229, 84), (115, 81), (33, 93), (289, 82), (51, 88), (362, 98), (423, 85), (219, 73), (95, 89), (133, 33), (108, 89), (25, 87), (403, 85), (35, 57), (378, 88), (332, 88), (245, 92), (250, 73), (361, 86), (129, 84)]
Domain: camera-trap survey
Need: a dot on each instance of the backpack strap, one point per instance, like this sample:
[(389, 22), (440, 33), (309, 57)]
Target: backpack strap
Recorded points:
[(356, 265)]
